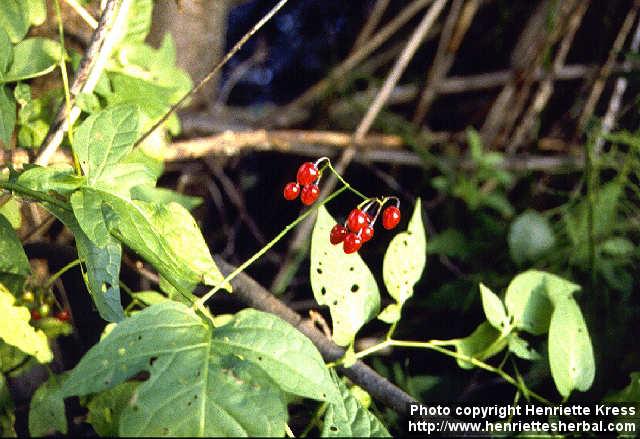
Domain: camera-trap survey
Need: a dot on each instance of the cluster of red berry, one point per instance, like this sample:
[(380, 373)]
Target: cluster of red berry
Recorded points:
[(358, 228), (29, 300), (307, 177)]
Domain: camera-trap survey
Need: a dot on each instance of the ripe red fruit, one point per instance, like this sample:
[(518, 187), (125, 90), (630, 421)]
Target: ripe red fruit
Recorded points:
[(352, 243), (291, 191), (366, 234), (338, 233), (63, 315), (307, 173), (309, 194), (356, 220), (35, 314), (390, 217)]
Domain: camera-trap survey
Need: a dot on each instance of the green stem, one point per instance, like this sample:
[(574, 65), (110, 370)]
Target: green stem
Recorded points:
[(55, 276), (315, 420), (200, 302), (36, 195), (347, 185)]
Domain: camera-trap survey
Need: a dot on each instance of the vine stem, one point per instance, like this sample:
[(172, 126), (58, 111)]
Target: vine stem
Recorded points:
[(200, 302), (54, 277), (36, 195), (438, 346)]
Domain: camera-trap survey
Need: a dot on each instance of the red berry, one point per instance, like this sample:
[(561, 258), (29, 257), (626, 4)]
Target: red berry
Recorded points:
[(63, 315), (352, 243), (356, 220), (338, 233), (35, 314), (390, 217), (291, 191), (307, 173), (309, 194), (366, 234)]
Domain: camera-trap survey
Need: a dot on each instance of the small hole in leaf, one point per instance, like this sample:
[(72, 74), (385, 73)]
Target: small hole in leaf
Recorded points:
[(139, 337), (319, 270), (351, 268), (259, 358), (333, 428), (324, 395), (135, 408), (579, 329), (165, 430), (406, 243), (354, 288), (197, 373), (335, 302), (323, 291), (152, 360), (319, 262), (195, 396), (409, 232), (189, 403)]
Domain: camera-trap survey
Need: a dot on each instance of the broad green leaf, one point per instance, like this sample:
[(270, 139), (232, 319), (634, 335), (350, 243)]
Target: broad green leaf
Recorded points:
[(52, 327), (449, 242), (341, 281), (195, 386), (87, 207), (166, 236), (493, 309), (139, 20), (527, 301), (289, 358), (7, 116), (405, 258), (46, 411), (10, 358), (558, 288), (16, 331), (120, 179), (36, 12), (13, 19), (570, 351), (521, 348), (101, 271), (33, 57), (149, 297), (106, 407), (58, 178), (530, 236), (163, 196), (11, 211), (391, 314), (6, 52), (7, 417), (348, 418), (105, 138), (13, 260), (617, 246), (484, 342)]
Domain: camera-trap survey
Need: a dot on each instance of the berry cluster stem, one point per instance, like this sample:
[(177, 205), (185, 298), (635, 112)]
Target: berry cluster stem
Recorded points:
[(200, 302)]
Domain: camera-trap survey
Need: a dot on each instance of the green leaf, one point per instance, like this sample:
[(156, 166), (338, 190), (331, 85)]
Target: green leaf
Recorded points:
[(405, 258), (7, 116), (107, 406), (161, 195), (46, 411), (59, 178), (6, 52), (527, 301), (289, 357), (36, 12), (631, 393), (139, 20), (195, 387), (570, 351), (166, 236), (13, 20), (33, 57), (348, 418), (494, 309), (102, 267), (13, 259), (105, 138), (87, 207), (16, 331), (11, 211), (341, 281), (483, 343), (530, 236), (522, 349), (391, 313), (7, 417), (149, 297), (617, 246), (449, 242), (52, 327)]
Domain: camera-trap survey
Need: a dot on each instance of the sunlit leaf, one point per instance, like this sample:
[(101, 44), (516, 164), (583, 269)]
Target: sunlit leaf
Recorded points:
[(484, 342), (46, 411), (493, 308), (522, 349), (530, 236), (7, 116), (33, 57)]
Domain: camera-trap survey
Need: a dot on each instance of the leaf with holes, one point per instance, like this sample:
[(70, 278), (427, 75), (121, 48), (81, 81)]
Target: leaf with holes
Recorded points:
[(341, 281), (570, 351), (405, 259), (348, 418), (522, 349), (494, 309), (105, 138), (16, 331), (213, 381), (46, 411), (106, 407), (87, 207)]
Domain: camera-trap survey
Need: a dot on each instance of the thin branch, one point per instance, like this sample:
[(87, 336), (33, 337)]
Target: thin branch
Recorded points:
[(372, 22), (82, 12), (215, 69), (91, 67)]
